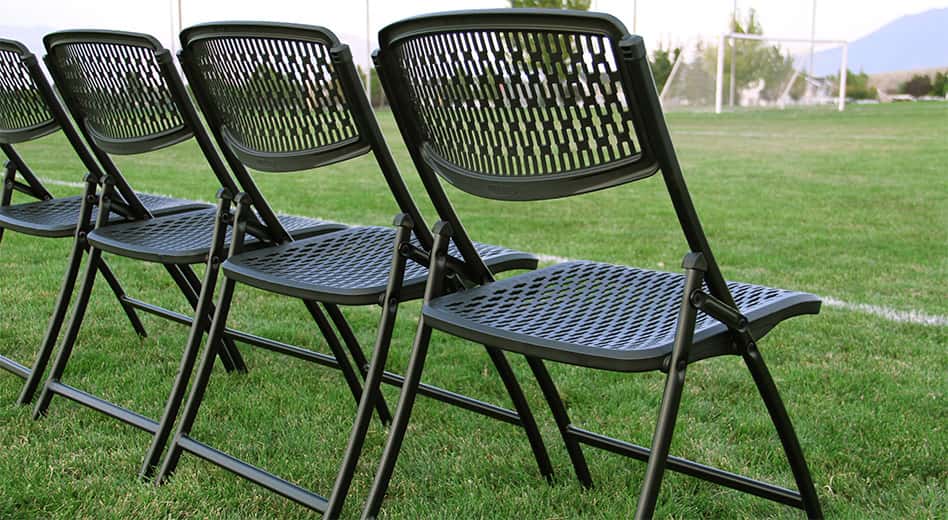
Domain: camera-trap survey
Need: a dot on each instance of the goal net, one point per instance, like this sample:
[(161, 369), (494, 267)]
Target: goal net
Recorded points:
[(757, 72)]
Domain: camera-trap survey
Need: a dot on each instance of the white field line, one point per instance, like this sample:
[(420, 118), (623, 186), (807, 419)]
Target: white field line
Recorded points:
[(912, 316), (888, 313), (785, 136)]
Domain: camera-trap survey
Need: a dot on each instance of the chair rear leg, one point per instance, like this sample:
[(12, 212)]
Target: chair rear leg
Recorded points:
[(72, 332), (348, 373), (552, 396), (55, 322), (523, 410), (201, 380), (230, 348), (355, 350), (113, 282), (188, 290), (788, 438)]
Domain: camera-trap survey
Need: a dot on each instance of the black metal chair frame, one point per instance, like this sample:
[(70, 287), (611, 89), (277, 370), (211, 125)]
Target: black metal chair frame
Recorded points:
[(411, 242), (34, 111), (155, 68), (405, 48)]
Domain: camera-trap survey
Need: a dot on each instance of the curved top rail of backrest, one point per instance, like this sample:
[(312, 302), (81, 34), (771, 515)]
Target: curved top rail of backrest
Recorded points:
[(113, 83), (24, 114), (274, 92), (518, 104)]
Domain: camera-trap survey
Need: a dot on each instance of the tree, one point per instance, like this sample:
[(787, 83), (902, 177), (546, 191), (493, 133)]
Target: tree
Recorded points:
[(919, 85), (662, 62), (578, 5), (754, 60), (857, 86), (940, 85)]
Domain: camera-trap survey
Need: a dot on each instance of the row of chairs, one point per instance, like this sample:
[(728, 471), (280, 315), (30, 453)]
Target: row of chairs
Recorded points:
[(503, 104)]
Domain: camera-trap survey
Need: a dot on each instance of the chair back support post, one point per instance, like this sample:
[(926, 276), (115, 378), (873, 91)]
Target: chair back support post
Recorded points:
[(277, 233), (477, 270), (368, 127), (639, 74), (191, 118), (36, 187), (61, 116), (109, 167)]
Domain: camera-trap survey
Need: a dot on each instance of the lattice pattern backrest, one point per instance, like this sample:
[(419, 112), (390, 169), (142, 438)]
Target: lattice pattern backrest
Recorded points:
[(116, 88), (21, 104), (519, 103), (274, 95)]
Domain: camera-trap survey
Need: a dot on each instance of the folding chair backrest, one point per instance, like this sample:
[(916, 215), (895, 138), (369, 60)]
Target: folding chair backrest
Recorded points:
[(24, 114), (531, 104), (518, 104), (286, 97), (275, 93), (113, 83)]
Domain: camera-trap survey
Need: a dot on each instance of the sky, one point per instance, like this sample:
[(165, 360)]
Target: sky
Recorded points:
[(669, 21)]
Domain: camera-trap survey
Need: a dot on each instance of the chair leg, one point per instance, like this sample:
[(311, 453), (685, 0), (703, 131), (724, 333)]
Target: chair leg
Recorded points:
[(72, 332), (406, 402), (230, 348), (202, 316), (348, 372), (788, 438), (177, 274), (523, 410), (116, 287), (674, 383), (201, 380), (373, 376), (355, 350), (552, 396), (55, 323)]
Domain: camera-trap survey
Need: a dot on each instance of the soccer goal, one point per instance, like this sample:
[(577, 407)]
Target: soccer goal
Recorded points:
[(756, 71)]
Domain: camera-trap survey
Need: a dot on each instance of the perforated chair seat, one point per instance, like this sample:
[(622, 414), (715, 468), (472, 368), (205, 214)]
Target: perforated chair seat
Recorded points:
[(186, 238), (58, 217), (602, 315), (350, 267)]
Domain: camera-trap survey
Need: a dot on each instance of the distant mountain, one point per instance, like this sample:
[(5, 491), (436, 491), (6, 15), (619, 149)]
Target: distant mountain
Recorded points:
[(915, 41)]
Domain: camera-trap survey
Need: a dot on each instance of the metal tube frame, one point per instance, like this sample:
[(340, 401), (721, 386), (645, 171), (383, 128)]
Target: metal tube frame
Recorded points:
[(700, 267), (374, 374)]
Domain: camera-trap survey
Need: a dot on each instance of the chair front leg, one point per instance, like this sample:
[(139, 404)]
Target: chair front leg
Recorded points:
[(6, 195), (695, 267), (416, 363), (373, 377), (211, 350), (358, 356), (61, 307), (202, 316)]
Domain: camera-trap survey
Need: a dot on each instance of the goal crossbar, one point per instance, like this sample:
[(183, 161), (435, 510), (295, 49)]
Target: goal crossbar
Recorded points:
[(719, 75)]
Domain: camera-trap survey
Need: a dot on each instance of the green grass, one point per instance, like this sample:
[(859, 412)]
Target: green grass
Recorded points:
[(852, 205)]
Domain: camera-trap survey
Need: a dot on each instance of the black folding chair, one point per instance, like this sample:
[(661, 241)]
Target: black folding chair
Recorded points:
[(29, 109), (533, 105), (284, 97), (127, 98)]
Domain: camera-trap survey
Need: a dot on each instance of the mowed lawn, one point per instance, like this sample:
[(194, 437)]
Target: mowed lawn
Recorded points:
[(851, 206)]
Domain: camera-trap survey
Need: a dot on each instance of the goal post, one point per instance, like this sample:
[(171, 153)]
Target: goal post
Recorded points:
[(727, 38), (749, 71)]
